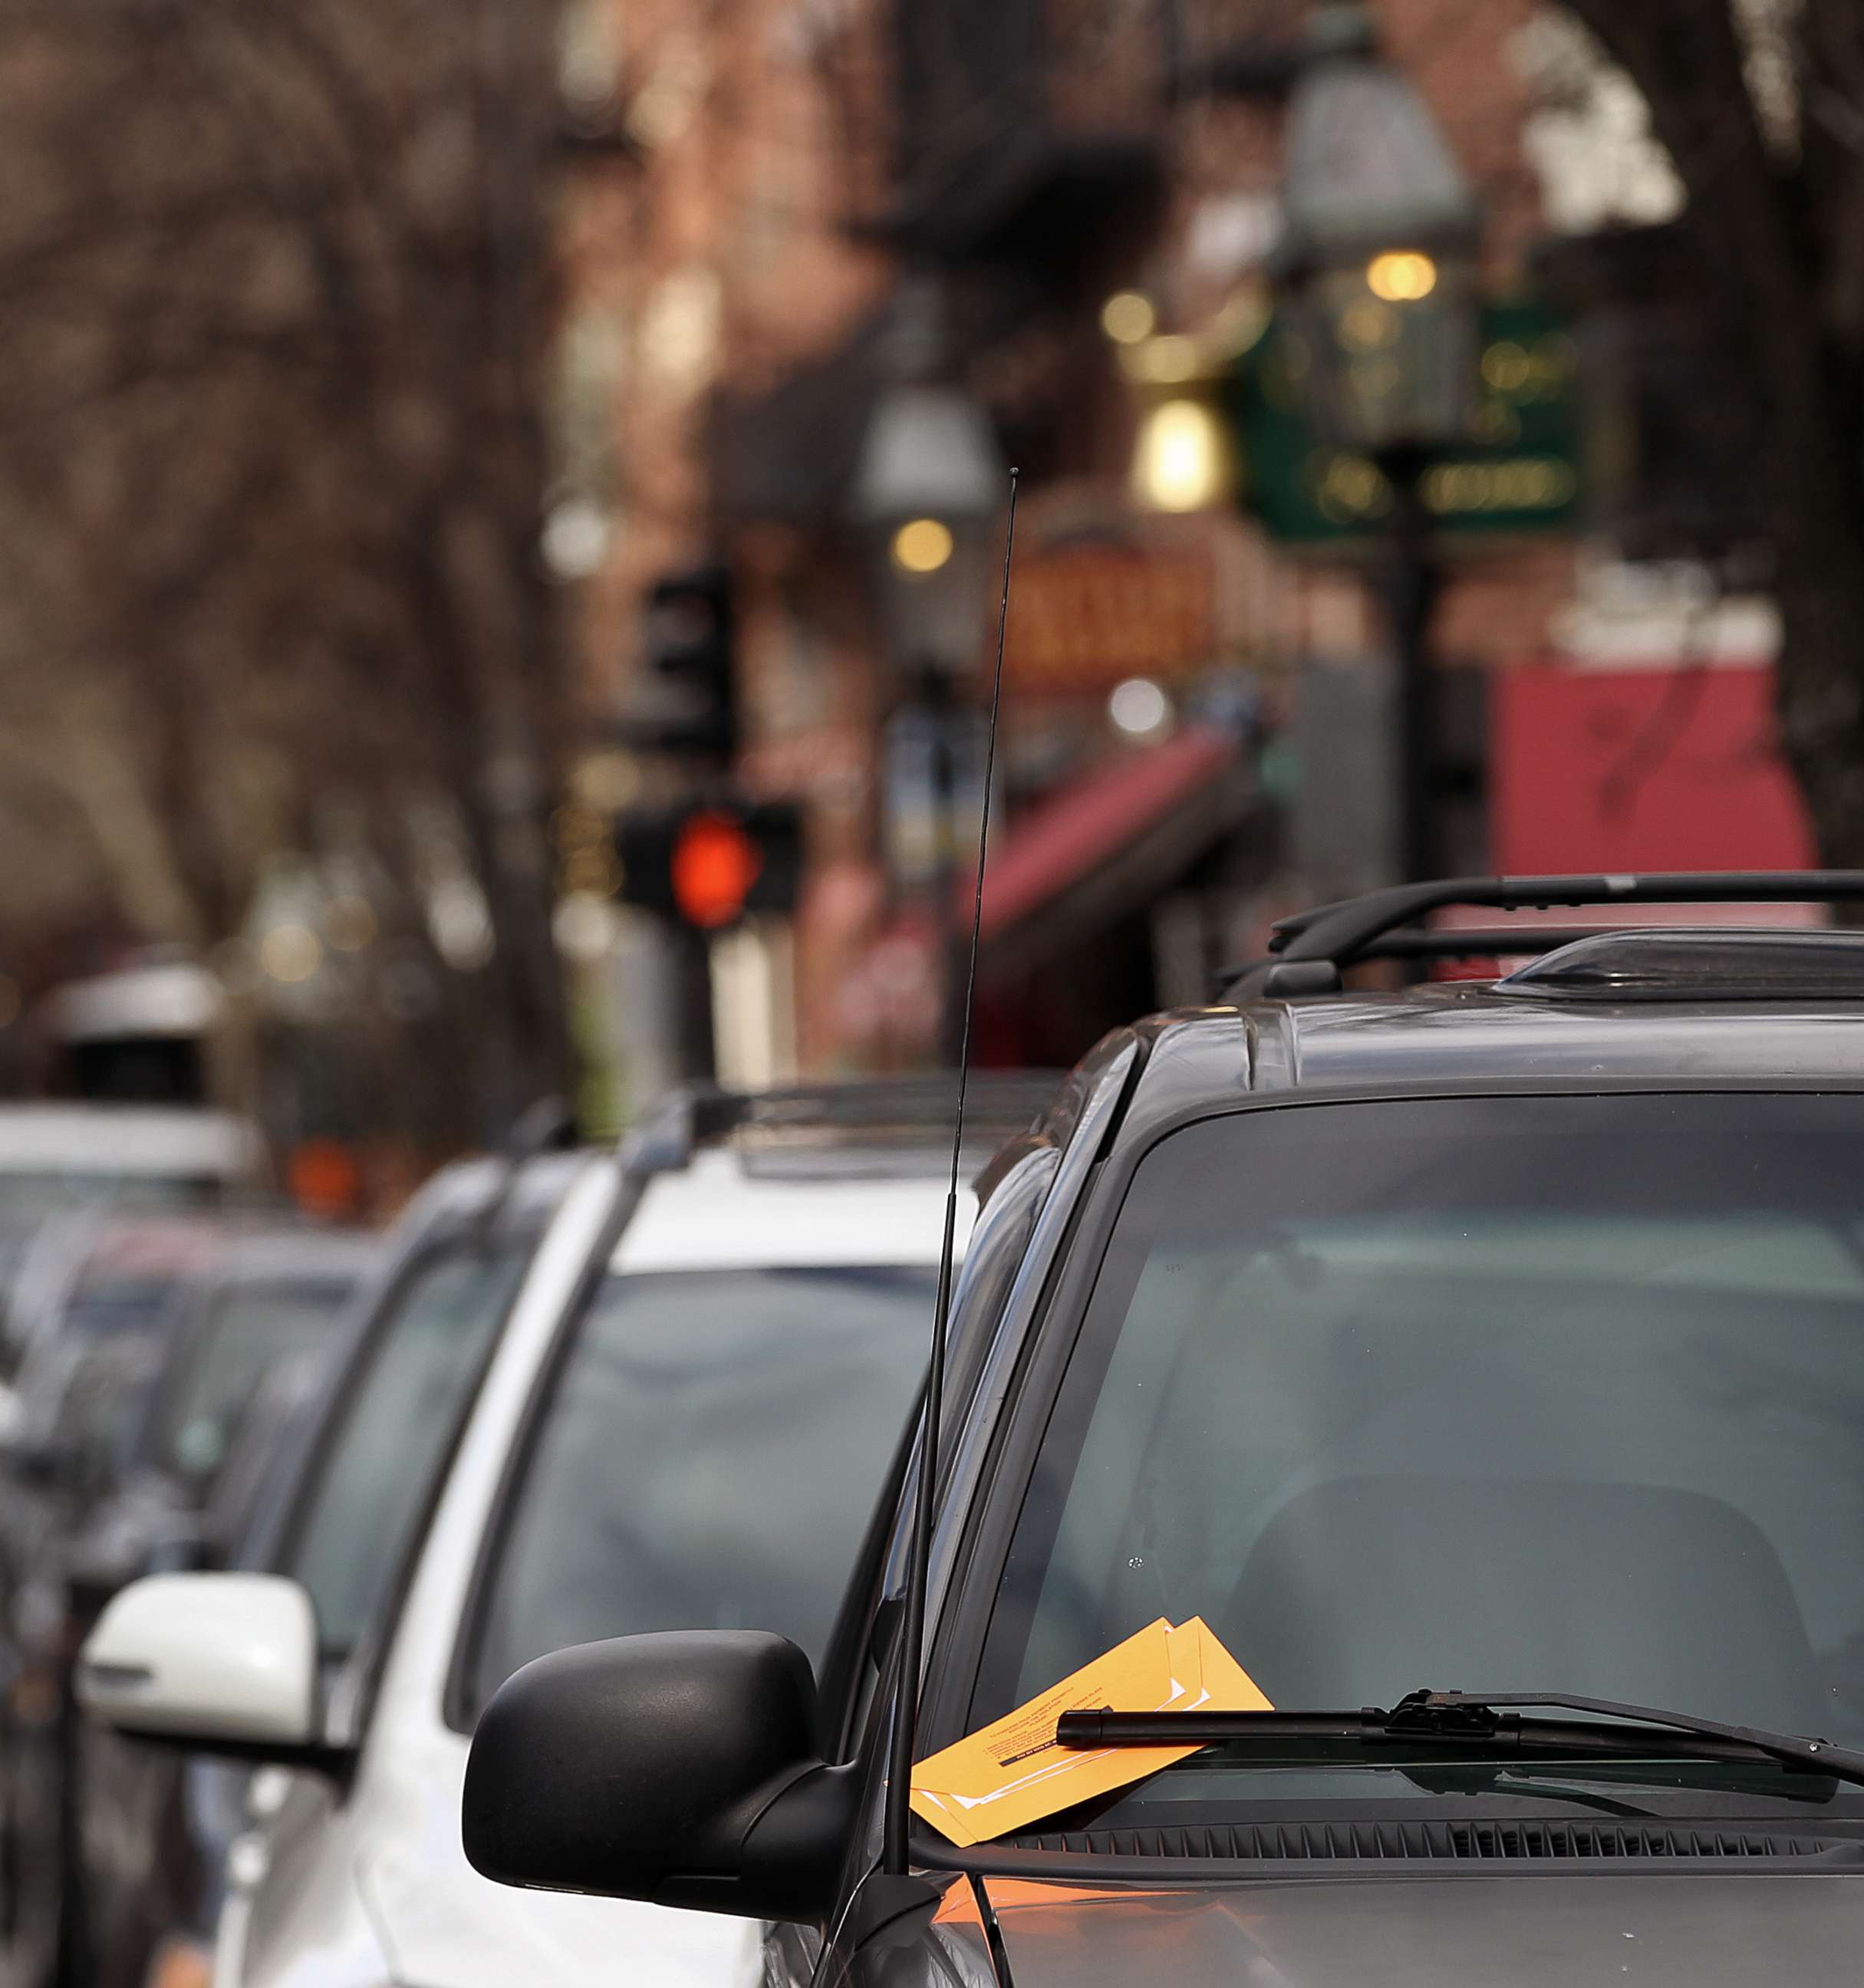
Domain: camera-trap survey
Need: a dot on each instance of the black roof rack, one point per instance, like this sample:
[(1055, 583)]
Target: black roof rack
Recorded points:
[(547, 1125), (881, 1112), (1313, 948), (1519, 942)]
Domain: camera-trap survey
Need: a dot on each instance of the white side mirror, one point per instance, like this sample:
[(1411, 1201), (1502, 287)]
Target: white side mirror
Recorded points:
[(214, 1659), (12, 1418)]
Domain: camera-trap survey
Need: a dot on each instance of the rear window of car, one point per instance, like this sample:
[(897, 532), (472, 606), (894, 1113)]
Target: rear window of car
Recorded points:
[(374, 1476), (103, 1306), (708, 1456), (251, 1328)]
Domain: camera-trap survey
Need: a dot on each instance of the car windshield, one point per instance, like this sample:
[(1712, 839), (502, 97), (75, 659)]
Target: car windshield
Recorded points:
[(251, 1328), (375, 1470), (1488, 1394), (710, 1454)]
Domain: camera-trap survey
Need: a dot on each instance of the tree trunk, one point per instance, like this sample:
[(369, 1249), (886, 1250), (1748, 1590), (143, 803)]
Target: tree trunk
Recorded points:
[(1792, 376)]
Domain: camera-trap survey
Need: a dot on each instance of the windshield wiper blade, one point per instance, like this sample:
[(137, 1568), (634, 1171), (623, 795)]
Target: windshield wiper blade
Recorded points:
[(1471, 1719)]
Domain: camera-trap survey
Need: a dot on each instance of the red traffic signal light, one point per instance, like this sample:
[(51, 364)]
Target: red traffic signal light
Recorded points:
[(715, 863), (707, 864)]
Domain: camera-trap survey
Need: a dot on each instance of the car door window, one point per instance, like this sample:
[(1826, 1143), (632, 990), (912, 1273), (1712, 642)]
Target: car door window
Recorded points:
[(708, 1456), (251, 1329), (375, 1475)]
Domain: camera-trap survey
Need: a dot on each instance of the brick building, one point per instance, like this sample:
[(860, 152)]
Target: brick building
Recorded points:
[(775, 175)]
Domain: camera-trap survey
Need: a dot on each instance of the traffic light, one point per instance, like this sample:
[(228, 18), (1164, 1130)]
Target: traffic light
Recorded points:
[(706, 865), (685, 700)]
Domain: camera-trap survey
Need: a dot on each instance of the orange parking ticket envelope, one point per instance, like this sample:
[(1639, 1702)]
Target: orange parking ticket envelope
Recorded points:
[(1012, 1773), (1224, 1685)]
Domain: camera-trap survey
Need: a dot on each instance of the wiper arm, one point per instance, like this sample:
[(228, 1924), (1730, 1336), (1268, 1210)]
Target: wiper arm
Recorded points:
[(1470, 1719)]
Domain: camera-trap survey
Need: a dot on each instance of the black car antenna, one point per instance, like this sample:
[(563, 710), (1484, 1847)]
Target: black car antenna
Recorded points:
[(918, 1565)]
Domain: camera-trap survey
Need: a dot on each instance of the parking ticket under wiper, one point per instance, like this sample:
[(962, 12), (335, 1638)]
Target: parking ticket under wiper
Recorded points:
[(1457, 1718), (1013, 1773)]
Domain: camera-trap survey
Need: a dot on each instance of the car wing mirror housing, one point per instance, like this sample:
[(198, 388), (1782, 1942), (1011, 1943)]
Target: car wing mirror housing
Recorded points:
[(678, 1768), (222, 1663)]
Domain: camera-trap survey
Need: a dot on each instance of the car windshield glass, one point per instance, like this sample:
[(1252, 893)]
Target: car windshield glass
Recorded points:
[(709, 1456), (1487, 1395), (375, 1471), (251, 1328)]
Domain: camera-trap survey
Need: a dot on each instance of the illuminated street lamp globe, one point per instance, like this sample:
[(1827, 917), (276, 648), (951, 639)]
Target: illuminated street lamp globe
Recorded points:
[(929, 485), (1377, 264)]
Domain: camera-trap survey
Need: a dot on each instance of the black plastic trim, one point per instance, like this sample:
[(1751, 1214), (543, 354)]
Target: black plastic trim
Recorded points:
[(1070, 1866), (984, 1518)]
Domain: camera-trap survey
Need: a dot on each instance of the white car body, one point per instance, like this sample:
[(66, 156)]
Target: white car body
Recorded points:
[(362, 1888)]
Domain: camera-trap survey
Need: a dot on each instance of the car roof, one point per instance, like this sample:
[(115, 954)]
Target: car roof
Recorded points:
[(537, 1183), (892, 1126), (716, 1213), (1475, 1034), (126, 1140), (880, 1147)]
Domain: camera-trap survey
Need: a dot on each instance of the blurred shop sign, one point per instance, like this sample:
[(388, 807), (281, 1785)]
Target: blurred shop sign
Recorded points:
[(1521, 474), (1087, 616), (1674, 768), (932, 790)]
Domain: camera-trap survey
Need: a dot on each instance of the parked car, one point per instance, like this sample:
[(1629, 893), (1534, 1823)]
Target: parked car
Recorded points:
[(154, 1824), (85, 1160), (1486, 1355), (353, 1469), (700, 1393), (103, 1385), (207, 1310), (123, 1286)]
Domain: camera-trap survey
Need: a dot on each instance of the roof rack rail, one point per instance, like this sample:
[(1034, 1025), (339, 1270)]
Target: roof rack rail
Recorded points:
[(1452, 943), (1313, 948), (894, 1110), (546, 1125)]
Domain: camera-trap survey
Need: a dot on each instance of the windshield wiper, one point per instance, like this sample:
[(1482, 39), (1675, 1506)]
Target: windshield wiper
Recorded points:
[(1470, 1719)]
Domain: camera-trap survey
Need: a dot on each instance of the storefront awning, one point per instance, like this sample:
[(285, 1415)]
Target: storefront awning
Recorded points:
[(1108, 843)]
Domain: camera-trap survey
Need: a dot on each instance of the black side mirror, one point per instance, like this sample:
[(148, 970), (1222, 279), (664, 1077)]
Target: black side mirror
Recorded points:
[(680, 1769)]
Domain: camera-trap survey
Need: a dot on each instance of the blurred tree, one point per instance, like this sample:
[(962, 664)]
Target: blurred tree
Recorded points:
[(272, 294), (1760, 105)]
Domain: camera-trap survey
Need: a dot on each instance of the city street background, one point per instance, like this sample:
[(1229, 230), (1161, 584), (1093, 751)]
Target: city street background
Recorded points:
[(501, 506)]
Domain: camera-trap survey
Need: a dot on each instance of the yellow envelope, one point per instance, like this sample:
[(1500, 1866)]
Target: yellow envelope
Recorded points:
[(1011, 1772)]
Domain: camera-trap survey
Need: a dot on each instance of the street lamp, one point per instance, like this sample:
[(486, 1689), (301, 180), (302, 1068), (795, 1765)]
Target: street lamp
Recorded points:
[(929, 484), (1377, 272)]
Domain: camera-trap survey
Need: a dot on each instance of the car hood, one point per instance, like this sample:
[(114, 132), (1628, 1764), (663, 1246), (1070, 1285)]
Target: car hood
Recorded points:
[(1758, 1929)]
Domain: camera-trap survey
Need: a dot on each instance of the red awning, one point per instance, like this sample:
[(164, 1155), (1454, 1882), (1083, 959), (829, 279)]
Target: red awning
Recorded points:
[(1133, 824)]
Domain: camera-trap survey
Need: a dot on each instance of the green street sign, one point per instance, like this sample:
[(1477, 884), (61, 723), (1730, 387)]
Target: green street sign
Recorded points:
[(1520, 474)]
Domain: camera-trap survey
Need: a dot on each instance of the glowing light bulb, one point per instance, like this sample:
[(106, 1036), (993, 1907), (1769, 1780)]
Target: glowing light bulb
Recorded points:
[(921, 545), (1128, 316), (1401, 276)]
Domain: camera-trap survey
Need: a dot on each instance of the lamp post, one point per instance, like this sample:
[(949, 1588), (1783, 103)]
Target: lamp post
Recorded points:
[(929, 483), (1376, 271)]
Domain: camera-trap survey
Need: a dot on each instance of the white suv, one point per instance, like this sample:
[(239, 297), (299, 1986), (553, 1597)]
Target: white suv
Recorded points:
[(700, 1392)]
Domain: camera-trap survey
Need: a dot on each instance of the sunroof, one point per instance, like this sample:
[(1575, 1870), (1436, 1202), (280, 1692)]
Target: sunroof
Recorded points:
[(1714, 963)]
